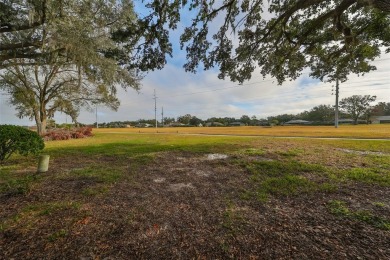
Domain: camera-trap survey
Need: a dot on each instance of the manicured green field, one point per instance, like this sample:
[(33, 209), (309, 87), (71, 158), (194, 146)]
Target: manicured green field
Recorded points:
[(124, 194), (345, 131)]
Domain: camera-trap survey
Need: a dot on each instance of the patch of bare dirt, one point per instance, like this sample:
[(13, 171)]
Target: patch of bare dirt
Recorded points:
[(182, 206), (362, 152), (217, 156)]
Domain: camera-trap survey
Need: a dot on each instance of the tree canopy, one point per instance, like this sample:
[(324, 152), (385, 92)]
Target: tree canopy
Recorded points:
[(381, 109), (32, 31), (357, 106), (279, 38), (282, 38)]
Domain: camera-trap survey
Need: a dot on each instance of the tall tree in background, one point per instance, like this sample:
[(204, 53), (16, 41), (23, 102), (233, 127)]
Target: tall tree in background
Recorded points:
[(245, 119), (321, 113), (185, 119), (37, 92), (357, 106), (168, 120), (381, 109), (195, 121), (280, 119)]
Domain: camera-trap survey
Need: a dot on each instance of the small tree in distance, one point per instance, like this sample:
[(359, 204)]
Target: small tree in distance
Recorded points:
[(381, 109), (357, 105), (184, 119)]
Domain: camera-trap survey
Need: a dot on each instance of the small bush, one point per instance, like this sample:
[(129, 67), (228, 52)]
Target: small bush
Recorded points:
[(65, 134), (16, 139)]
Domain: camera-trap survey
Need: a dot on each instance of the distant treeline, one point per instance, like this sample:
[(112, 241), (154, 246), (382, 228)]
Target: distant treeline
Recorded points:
[(318, 115)]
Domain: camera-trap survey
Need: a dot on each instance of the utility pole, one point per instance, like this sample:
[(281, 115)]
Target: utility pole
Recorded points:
[(97, 125), (162, 116), (336, 114), (155, 107)]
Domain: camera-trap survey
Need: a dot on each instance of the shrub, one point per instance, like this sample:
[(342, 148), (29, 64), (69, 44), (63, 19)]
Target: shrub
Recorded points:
[(16, 139), (65, 134), (61, 134)]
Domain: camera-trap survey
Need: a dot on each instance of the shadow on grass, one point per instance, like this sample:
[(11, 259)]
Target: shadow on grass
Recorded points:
[(286, 178), (136, 149), (101, 161)]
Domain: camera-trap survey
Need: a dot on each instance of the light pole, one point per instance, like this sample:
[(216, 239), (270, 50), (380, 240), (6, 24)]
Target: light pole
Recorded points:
[(155, 108), (97, 125), (336, 114)]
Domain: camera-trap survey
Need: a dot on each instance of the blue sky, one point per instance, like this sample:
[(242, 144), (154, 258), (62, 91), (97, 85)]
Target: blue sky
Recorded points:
[(204, 95)]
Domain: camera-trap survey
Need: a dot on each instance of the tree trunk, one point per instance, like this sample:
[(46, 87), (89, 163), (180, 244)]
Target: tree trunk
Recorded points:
[(41, 122), (41, 126), (42, 116)]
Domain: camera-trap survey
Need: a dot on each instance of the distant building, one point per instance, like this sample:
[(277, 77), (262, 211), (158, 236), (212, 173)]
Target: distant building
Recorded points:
[(214, 124), (350, 121), (297, 122), (236, 124), (263, 123), (142, 125), (380, 119), (345, 121), (175, 124)]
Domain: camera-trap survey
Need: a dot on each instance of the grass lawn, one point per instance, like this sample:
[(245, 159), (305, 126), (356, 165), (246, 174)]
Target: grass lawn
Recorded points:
[(346, 131), (122, 194)]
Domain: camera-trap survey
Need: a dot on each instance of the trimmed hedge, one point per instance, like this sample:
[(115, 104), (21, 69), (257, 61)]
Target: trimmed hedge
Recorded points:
[(17, 139)]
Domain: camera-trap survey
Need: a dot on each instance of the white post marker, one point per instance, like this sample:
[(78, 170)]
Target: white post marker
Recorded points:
[(43, 163)]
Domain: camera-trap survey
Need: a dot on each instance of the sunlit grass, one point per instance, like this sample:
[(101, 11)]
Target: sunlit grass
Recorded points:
[(33, 213), (98, 174), (284, 178), (347, 131), (367, 175), (340, 209)]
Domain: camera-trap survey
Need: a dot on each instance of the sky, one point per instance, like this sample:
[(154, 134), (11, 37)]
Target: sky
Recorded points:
[(204, 95)]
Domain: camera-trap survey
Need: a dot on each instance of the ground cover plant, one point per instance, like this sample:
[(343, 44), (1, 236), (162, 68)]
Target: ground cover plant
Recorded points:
[(129, 195)]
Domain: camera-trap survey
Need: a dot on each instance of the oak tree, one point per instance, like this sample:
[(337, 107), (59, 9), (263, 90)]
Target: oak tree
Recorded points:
[(357, 106), (282, 38), (62, 55), (32, 31)]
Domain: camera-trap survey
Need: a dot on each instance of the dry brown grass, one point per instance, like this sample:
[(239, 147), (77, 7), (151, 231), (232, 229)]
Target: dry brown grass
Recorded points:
[(347, 131)]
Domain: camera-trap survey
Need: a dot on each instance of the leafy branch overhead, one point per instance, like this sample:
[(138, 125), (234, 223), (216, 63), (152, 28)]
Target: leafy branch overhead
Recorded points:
[(81, 32), (281, 38)]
